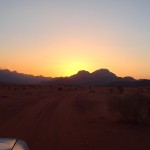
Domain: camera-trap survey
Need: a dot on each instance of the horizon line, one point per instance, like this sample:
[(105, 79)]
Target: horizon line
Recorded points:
[(70, 75)]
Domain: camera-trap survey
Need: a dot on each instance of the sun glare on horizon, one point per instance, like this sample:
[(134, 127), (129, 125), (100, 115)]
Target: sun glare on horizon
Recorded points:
[(73, 67)]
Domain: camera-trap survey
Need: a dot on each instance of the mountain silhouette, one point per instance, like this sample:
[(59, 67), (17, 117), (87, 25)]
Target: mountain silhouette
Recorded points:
[(101, 77), (7, 76)]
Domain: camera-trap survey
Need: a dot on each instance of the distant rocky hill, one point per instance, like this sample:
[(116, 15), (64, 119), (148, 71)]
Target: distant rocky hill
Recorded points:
[(7, 76), (101, 77)]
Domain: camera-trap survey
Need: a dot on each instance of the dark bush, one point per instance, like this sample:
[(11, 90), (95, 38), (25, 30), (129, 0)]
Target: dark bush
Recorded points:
[(132, 107), (120, 89), (60, 89)]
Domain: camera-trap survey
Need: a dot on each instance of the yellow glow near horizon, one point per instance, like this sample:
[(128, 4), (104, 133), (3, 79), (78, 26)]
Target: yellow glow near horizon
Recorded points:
[(60, 38), (73, 67)]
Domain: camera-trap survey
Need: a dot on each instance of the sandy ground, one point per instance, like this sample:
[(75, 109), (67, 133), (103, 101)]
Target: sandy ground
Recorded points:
[(67, 118)]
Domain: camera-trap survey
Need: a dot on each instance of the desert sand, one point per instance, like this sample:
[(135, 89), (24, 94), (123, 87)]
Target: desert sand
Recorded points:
[(68, 118)]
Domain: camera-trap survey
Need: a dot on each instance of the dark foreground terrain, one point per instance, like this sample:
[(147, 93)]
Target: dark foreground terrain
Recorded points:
[(69, 118)]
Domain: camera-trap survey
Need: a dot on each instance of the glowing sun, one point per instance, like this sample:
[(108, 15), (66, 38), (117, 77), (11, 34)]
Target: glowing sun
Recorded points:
[(73, 67)]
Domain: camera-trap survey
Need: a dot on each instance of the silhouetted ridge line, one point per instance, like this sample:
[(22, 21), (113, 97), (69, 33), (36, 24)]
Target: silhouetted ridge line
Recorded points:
[(101, 77), (7, 76)]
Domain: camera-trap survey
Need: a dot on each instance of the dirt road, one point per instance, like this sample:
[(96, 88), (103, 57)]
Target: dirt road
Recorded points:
[(49, 118)]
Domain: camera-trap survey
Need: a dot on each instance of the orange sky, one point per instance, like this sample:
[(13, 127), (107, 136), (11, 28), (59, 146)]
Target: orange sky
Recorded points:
[(61, 38)]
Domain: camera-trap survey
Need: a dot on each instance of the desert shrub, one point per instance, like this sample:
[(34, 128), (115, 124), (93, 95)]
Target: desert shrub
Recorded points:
[(131, 107), (60, 89), (92, 91), (15, 89), (120, 89), (23, 88), (3, 96)]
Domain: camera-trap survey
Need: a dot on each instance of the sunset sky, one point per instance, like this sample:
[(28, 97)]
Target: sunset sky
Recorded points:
[(60, 37)]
